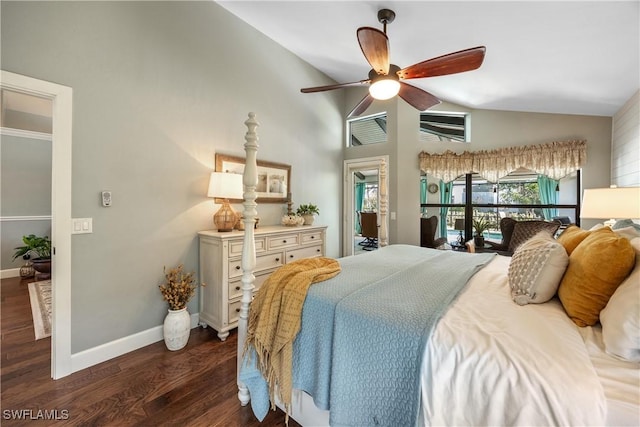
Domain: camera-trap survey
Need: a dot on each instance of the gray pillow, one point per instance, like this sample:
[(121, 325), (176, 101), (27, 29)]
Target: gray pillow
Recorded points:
[(623, 223), (536, 269)]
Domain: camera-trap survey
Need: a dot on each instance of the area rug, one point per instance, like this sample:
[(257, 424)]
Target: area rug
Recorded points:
[(40, 298)]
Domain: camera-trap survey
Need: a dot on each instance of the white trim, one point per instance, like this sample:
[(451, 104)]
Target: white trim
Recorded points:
[(110, 350), (62, 116), (10, 272), (381, 163), (25, 218), (25, 134)]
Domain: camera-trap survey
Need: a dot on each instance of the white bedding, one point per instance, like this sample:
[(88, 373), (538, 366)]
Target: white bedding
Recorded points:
[(540, 372), (620, 380)]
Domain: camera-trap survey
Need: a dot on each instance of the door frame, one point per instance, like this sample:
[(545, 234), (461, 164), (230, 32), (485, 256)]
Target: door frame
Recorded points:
[(62, 97), (353, 165)]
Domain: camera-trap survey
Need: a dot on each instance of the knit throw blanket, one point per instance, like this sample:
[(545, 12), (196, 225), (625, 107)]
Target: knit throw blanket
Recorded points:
[(274, 320)]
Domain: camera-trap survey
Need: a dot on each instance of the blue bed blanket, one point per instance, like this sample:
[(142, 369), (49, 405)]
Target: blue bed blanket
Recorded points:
[(363, 333)]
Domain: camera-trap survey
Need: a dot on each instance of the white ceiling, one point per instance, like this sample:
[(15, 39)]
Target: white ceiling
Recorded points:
[(571, 57)]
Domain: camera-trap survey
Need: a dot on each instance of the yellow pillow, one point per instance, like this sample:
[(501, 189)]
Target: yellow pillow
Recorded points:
[(574, 235), (596, 268)]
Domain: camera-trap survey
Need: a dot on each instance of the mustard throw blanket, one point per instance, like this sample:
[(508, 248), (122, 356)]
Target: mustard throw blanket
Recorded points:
[(274, 319)]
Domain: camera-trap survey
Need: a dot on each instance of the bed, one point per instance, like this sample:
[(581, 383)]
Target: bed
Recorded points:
[(483, 361)]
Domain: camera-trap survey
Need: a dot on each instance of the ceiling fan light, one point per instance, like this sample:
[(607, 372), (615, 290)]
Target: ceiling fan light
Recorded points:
[(384, 88)]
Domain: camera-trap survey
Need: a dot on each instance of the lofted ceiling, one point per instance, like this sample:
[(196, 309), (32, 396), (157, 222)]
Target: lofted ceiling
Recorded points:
[(569, 57)]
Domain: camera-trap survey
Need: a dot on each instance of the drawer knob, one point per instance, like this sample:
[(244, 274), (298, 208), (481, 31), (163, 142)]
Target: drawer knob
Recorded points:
[(277, 259), (237, 267), (284, 241), (313, 237), (237, 310), (318, 250), (291, 256), (237, 288)]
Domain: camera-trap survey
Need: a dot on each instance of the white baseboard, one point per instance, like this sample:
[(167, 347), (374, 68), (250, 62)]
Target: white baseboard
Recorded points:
[(10, 272), (113, 349)]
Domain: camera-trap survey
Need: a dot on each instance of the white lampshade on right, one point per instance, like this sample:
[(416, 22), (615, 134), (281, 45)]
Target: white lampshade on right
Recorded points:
[(611, 203)]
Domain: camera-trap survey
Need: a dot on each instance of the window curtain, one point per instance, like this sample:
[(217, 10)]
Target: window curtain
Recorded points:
[(423, 194), (445, 198), (548, 195), (554, 160), (359, 199)]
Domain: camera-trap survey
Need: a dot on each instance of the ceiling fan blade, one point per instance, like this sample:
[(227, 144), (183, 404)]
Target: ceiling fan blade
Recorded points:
[(375, 47), (330, 87), (452, 63), (361, 107), (416, 97)]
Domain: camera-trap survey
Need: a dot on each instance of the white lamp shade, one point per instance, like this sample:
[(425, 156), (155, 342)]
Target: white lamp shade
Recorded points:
[(225, 185), (605, 203), (384, 88)]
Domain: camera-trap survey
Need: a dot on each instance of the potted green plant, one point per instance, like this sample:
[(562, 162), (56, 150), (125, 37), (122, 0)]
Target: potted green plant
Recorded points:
[(308, 212), (480, 225), (40, 247)]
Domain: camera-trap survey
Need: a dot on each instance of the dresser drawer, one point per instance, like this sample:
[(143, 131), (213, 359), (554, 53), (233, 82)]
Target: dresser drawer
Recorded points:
[(308, 238), (283, 241), (234, 311), (308, 252), (235, 246), (235, 287), (263, 262)]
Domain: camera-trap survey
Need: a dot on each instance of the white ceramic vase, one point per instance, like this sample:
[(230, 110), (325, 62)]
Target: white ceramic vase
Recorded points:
[(176, 328), (308, 219)]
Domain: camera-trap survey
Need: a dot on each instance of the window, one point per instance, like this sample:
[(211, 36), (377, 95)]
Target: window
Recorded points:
[(517, 196), (443, 126), (367, 130)]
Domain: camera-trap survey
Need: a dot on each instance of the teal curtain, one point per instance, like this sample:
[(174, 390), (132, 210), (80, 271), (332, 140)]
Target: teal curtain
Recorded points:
[(548, 195), (359, 199), (445, 197), (423, 194)]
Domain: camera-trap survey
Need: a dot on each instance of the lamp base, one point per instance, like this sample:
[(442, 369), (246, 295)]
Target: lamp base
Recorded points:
[(225, 219)]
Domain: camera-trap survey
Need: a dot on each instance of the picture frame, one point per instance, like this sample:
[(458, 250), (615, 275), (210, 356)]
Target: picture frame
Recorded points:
[(274, 179)]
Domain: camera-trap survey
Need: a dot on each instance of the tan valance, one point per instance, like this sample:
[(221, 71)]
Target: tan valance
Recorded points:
[(555, 160)]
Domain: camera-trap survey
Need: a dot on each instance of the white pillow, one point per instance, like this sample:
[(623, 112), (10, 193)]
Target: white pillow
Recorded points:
[(628, 232), (620, 319), (536, 269)]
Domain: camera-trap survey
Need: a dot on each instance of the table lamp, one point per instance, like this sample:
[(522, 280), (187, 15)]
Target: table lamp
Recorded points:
[(225, 186), (611, 203)]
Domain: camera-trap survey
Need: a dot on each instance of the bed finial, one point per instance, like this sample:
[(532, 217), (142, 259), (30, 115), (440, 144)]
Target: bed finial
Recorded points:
[(250, 182)]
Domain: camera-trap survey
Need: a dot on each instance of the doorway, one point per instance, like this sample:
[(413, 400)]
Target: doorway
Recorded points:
[(365, 190), (61, 97)]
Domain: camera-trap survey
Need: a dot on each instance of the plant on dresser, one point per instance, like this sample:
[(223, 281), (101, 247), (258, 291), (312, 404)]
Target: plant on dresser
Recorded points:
[(221, 269)]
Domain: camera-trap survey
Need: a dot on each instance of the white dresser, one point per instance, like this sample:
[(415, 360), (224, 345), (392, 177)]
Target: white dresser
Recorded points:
[(221, 271)]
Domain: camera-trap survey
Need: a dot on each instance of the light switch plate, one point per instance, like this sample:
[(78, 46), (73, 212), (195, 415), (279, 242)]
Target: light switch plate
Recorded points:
[(82, 225), (106, 198)]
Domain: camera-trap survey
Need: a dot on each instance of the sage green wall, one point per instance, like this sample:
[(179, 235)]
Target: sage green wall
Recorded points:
[(490, 129), (158, 89)]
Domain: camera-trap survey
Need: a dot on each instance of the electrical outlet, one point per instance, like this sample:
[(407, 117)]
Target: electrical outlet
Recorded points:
[(106, 198)]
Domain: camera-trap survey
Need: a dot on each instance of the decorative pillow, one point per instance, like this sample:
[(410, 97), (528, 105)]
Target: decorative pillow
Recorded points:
[(628, 232), (574, 235), (621, 317), (524, 230), (536, 269), (596, 268), (623, 223)]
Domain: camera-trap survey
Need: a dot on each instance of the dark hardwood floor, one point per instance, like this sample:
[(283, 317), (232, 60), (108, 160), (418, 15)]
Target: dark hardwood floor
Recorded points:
[(195, 386)]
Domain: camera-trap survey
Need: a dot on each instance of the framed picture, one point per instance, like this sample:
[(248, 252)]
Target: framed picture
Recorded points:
[(274, 179)]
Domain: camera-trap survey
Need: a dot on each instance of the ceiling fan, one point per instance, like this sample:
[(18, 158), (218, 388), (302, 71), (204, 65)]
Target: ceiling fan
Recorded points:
[(386, 79)]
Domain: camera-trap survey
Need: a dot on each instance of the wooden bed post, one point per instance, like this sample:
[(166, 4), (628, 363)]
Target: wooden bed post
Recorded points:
[(250, 181)]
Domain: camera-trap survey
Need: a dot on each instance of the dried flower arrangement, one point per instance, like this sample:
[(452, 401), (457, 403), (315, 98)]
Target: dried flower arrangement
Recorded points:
[(179, 288)]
